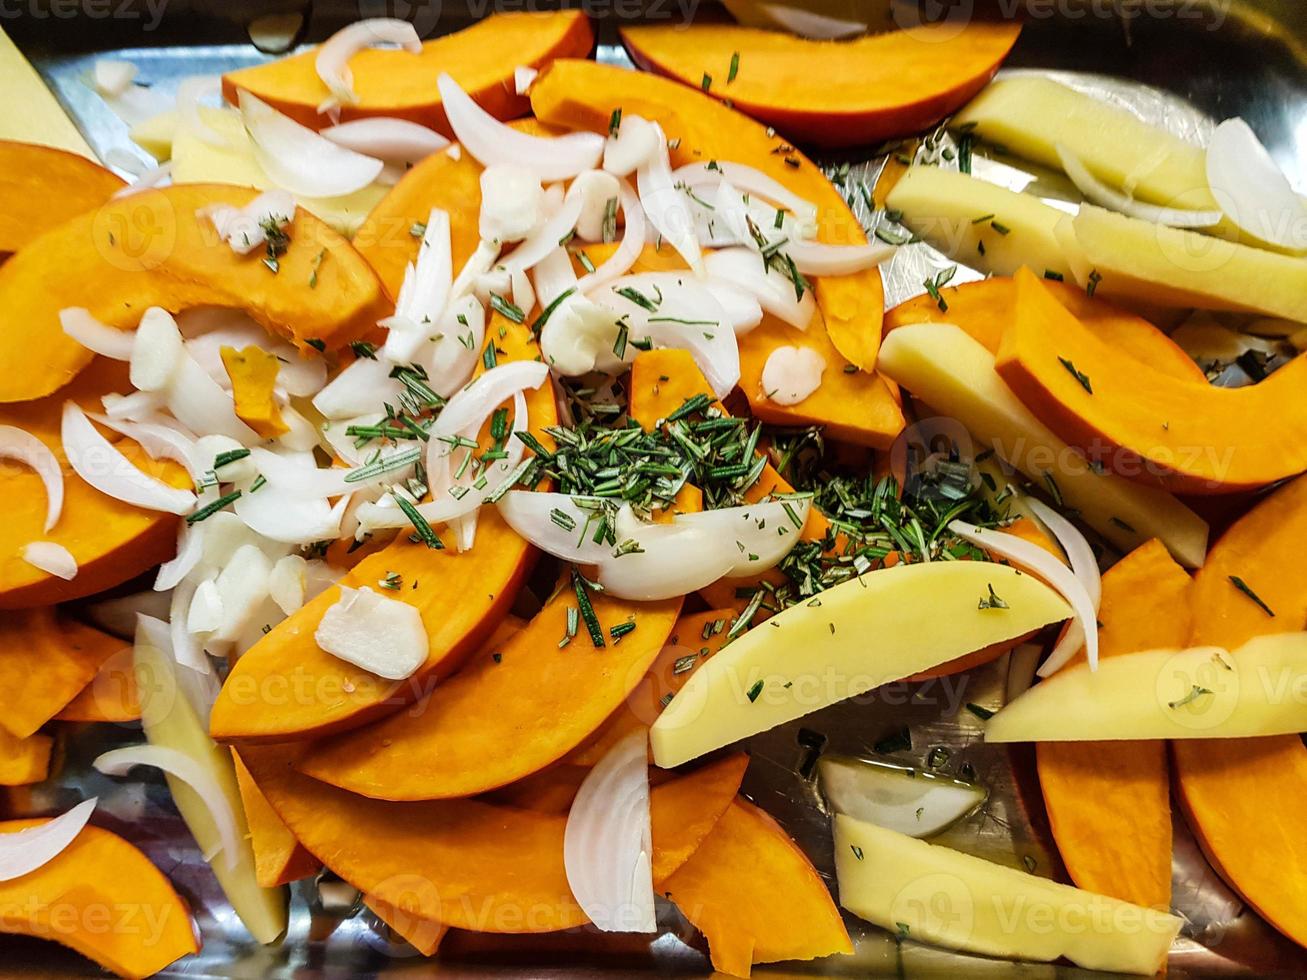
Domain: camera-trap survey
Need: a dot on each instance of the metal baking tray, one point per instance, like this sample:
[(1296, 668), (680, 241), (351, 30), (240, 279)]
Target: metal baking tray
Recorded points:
[(1177, 62)]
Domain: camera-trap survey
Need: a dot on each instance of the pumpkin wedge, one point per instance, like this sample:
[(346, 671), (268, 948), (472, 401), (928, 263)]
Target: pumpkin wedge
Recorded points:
[(46, 659), (868, 89), (466, 863), (111, 695), (111, 541), (1109, 803), (525, 695), (856, 407), (1140, 423), (152, 249), (424, 935), (278, 857), (103, 898), (985, 307), (732, 891), (481, 58), (24, 761), (1231, 789), (43, 187)]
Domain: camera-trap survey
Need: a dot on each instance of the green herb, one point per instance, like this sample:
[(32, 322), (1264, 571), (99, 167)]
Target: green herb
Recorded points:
[(573, 624), (384, 464), (857, 851), (735, 67), (621, 630), (984, 714), (258, 483), (1002, 229), (1055, 276), (637, 297), (608, 228), (230, 456), (538, 324), (506, 309), (684, 664), (934, 285), (754, 691), (1094, 279), (417, 229), (423, 530), (619, 345), (1242, 586), (706, 82), (317, 264), (1080, 376), (1123, 525), (488, 357), (392, 582), (587, 609), (1194, 694), (992, 601), (615, 122), (584, 259), (211, 508), (362, 348), (318, 345)]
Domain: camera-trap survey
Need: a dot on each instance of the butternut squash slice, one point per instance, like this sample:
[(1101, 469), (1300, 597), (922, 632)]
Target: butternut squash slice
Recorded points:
[(424, 935), (1138, 422), (112, 694), (152, 249), (279, 858), (253, 374), (103, 898), (1242, 798), (755, 896), (111, 541), (43, 187), (1109, 803), (482, 59), (536, 699), (832, 93), (46, 659), (857, 407), (465, 863), (985, 308), (24, 761)]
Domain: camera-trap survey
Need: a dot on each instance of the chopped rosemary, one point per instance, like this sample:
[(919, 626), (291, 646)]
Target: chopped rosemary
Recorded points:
[(421, 527), (538, 323), (506, 309), (735, 67), (587, 610), (615, 122), (992, 601), (1242, 586), (637, 297), (754, 691), (384, 464), (1080, 376), (984, 714), (230, 456), (362, 348), (211, 508), (1195, 692), (706, 82), (1091, 286)]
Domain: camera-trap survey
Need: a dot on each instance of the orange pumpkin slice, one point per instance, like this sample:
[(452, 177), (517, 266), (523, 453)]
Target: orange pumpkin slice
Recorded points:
[(1109, 803), (24, 761), (424, 935), (856, 407), (103, 898), (278, 857), (469, 864), (1141, 423), (1243, 797), (832, 93), (755, 896), (111, 541), (111, 695), (532, 695), (43, 187), (152, 249), (482, 59)]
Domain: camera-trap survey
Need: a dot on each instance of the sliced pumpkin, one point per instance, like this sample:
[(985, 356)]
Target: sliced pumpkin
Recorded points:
[(112, 694), (103, 898), (755, 896), (1243, 797), (46, 659), (153, 249), (482, 59), (253, 375), (1140, 423), (1109, 803), (43, 187), (278, 857), (24, 761), (538, 697), (465, 863), (985, 308), (856, 407), (111, 541), (424, 935), (868, 89)]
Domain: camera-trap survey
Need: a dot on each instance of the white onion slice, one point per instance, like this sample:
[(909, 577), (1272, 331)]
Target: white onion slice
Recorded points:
[(358, 390), (1252, 191), (523, 77), (666, 207), (808, 23), (50, 557), (156, 351), (908, 801), (1085, 567), (136, 406), (633, 237), (396, 141), (762, 534), (78, 323), (1097, 192), (190, 549), (298, 474), (743, 268), (186, 646), (1037, 560), (204, 613), (300, 160), (23, 851), (545, 239), (529, 514), (156, 176), (200, 403), (246, 228), (102, 466), (457, 350), (791, 374), (608, 841), (1021, 670), (281, 516), (180, 766), (743, 311), (159, 441), (117, 616), (189, 93), (554, 276), (491, 141), (199, 689), (23, 447), (475, 403), (819, 259), (332, 62), (745, 178), (424, 292)]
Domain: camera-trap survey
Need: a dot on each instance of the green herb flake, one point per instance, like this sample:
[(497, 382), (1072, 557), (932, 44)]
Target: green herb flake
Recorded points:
[(754, 691), (984, 714), (1243, 587), (991, 601), (1080, 376), (1195, 692)]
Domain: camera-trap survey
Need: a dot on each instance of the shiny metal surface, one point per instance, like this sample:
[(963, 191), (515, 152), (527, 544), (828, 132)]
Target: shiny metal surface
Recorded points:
[(1223, 58)]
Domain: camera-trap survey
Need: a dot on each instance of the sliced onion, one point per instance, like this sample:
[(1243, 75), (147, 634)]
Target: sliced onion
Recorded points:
[(204, 614), (1037, 560), (23, 851), (491, 141), (523, 76), (246, 228), (818, 259), (762, 534), (475, 403), (608, 841), (554, 276), (1085, 567), (743, 268), (300, 160), (190, 549), (667, 207), (424, 292), (332, 62), (102, 466), (281, 516), (673, 559), (159, 441), (189, 93), (180, 766), (545, 239), (358, 389), (199, 690), (531, 515), (1105, 196), (157, 351), (1252, 191), (101, 338), (157, 176), (791, 374), (743, 312), (23, 447), (299, 376), (136, 406), (633, 236), (186, 647), (396, 141), (748, 179), (50, 557), (298, 474), (478, 264), (1021, 670), (809, 23), (117, 616), (457, 350), (200, 404)]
